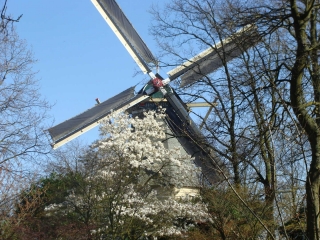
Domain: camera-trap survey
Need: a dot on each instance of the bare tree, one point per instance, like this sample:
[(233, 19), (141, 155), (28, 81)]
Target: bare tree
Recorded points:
[(23, 112), (266, 122)]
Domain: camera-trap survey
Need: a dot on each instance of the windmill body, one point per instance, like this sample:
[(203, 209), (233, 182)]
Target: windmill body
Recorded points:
[(189, 185), (178, 120)]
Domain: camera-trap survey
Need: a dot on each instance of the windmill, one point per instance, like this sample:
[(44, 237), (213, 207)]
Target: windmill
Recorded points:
[(178, 118)]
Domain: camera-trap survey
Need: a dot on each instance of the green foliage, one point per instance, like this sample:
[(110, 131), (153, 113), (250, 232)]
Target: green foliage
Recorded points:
[(230, 219), (296, 227), (52, 189), (31, 209)]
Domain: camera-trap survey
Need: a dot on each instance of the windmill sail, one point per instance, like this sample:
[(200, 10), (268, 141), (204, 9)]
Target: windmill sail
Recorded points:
[(124, 30), (85, 121), (193, 69), (213, 57)]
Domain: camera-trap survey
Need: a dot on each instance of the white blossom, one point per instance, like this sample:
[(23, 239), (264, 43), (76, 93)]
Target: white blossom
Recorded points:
[(134, 161)]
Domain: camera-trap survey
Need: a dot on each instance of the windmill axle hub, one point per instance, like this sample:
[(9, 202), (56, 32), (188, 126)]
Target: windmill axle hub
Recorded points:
[(157, 83)]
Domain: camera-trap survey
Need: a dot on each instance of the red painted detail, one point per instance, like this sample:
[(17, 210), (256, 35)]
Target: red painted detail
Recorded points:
[(157, 83)]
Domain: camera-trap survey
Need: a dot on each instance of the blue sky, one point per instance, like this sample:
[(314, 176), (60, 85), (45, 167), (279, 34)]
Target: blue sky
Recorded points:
[(79, 57)]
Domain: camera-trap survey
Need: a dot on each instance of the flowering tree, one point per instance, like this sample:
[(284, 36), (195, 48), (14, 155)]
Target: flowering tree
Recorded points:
[(130, 182)]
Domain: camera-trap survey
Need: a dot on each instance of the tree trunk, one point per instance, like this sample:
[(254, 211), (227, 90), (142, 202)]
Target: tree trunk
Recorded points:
[(309, 122), (312, 190)]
